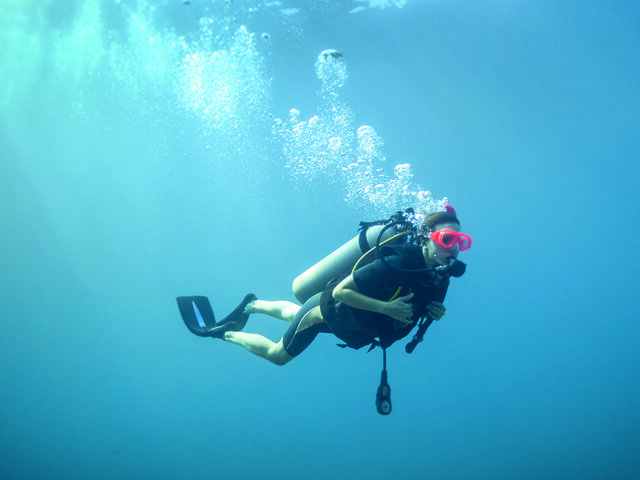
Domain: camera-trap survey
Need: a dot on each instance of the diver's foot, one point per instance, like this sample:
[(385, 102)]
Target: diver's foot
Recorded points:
[(248, 309), (237, 319), (218, 332)]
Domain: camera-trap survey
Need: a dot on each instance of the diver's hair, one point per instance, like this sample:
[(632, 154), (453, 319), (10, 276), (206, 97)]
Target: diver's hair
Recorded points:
[(434, 219)]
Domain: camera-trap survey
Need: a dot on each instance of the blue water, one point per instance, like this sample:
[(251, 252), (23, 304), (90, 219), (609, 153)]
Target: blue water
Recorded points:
[(149, 150)]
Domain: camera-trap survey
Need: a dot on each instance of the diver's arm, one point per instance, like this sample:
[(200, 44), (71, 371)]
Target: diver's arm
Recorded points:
[(399, 309)]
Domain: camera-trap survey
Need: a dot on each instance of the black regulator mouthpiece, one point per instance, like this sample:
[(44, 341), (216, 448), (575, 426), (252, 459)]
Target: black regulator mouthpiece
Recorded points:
[(455, 267)]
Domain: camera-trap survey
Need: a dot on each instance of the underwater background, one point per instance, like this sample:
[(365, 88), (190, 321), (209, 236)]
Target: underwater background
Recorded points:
[(155, 149)]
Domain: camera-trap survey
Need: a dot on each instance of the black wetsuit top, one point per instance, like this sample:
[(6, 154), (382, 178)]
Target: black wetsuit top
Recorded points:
[(381, 281)]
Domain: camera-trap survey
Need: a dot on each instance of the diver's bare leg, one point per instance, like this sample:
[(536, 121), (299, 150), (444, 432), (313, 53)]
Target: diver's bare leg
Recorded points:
[(260, 346), (280, 309)]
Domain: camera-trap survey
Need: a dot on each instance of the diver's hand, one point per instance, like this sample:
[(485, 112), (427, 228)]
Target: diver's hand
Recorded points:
[(436, 310), (399, 309)]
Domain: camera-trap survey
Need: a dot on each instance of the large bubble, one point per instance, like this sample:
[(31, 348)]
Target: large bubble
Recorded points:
[(331, 70)]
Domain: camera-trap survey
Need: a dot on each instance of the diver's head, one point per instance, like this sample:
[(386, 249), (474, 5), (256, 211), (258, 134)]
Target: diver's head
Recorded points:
[(441, 237)]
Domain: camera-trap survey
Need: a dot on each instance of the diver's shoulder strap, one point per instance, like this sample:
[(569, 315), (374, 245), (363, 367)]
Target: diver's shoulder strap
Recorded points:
[(362, 241)]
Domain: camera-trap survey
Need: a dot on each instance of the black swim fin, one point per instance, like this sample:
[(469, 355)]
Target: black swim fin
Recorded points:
[(237, 319), (197, 315)]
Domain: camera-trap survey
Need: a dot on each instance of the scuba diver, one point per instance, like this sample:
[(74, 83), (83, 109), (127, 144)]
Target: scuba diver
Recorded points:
[(371, 291)]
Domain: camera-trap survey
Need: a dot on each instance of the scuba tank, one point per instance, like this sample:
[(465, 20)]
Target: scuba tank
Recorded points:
[(343, 259)]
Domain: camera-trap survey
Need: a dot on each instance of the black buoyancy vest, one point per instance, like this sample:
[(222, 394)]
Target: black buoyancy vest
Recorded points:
[(378, 330)]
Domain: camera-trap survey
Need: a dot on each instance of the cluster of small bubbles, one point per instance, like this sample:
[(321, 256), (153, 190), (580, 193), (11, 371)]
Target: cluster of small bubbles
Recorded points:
[(215, 74), (370, 145), (326, 148), (365, 179), (362, 175), (317, 147), (225, 86)]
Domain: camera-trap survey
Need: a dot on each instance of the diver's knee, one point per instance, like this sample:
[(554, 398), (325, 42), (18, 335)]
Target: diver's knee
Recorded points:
[(290, 312), (281, 361), (279, 356)]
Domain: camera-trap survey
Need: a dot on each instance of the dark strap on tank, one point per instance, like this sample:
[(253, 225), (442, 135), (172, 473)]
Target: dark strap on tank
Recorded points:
[(362, 241), (327, 301)]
